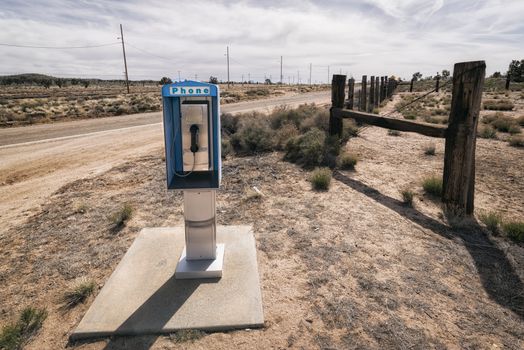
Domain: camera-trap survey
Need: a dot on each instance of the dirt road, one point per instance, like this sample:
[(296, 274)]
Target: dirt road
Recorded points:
[(37, 160)]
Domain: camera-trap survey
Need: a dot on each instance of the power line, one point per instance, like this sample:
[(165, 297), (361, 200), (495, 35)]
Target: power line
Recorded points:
[(149, 53), (58, 47)]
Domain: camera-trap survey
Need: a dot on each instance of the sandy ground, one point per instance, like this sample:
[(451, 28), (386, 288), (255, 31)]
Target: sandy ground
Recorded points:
[(348, 268), (51, 156)]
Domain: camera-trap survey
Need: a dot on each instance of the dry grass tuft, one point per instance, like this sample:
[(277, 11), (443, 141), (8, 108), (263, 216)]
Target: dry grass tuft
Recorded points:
[(78, 293), (492, 221), (429, 149), (121, 216), (15, 335), (432, 185), (407, 197), (321, 179), (514, 230), (347, 161)]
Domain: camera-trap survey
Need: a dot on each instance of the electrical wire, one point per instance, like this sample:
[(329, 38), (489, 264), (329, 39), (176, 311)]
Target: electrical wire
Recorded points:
[(148, 53), (58, 47)]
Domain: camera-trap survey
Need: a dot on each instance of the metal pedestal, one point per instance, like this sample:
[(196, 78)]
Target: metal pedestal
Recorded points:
[(202, 257)]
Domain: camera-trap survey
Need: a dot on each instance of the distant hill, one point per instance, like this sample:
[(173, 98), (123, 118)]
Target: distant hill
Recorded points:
[(48, 80)]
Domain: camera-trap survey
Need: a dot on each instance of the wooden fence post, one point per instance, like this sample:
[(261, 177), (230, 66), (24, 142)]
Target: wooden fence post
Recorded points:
[(381, 88), (508, 79), (411, 85), (351, 93), (459, 158), (385, 87), (363, 93), (437, 83), (371, 94), (377, 91), (391, 86), (338, 86)]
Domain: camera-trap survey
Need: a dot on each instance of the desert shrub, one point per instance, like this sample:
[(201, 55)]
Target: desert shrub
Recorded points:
[(306, 149), (407, 196), (320, 179), (520, 119), (350, 129), (284, 115), (226, 147), (257, 92), (229, 123), (514, 230), (14, 336), (347, 161), (432, 185), (284, 134), (392, 132), (319, 120), (254, 136), (502, 123), (429, 149), (499, 105), (78, 293), (516, 141), (437, 119), (119, 218), (487, 132), (304, 114), (492, 221)]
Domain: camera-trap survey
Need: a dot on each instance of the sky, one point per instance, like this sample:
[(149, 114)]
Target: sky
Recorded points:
[(189, 38)]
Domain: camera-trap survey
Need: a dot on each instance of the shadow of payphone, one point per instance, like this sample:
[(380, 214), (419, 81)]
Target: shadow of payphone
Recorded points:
[(191, 113)]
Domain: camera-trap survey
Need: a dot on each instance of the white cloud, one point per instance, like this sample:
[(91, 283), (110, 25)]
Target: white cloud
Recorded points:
[(355, 37)]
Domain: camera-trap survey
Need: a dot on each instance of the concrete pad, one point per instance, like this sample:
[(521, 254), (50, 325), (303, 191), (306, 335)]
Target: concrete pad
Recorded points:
[(142, 295), (191, 269)]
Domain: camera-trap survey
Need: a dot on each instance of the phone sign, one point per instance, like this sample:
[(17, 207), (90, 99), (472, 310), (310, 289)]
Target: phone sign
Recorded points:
[(188, 90)]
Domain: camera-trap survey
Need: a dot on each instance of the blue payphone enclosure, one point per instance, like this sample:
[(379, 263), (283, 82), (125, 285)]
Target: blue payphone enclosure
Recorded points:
[(174, 97)]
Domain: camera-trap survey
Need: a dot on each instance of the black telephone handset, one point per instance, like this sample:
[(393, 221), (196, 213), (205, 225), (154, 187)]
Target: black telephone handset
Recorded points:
[(194, 130)]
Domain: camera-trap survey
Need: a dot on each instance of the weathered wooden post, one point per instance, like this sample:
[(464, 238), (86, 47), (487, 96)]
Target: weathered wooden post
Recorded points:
[(385, 86), (377, 91), (382, 89), (459, 158), (338, 86), (411, 85), (363, 93), (391, 86), (437, 83), (351, 93), (371, 94), (508, 79)]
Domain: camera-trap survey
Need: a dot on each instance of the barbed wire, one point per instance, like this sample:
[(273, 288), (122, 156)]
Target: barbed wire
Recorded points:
[(450, 80)]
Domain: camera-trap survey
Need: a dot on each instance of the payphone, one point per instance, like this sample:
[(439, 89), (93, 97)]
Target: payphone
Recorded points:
[(191, 114)]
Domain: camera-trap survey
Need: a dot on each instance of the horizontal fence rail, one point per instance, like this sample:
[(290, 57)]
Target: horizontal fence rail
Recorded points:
[(391, 123)]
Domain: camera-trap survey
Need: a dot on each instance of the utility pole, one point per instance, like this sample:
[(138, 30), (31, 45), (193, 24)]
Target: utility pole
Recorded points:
[(298, 77), (310, 65), (124, 51), (281, 76), (328, 75), (179, 76), (249, 78), (242, 79), (228, 66), (196, 77)]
